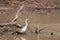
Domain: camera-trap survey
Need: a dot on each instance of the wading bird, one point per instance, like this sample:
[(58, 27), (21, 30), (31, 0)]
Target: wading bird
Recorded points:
[(23, 30), (25, 27)]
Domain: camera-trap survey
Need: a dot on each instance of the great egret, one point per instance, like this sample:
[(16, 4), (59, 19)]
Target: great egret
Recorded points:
[(25, 27), (23, 30)]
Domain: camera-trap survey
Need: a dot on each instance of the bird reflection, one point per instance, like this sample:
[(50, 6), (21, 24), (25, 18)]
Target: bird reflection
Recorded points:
[(22, 38)]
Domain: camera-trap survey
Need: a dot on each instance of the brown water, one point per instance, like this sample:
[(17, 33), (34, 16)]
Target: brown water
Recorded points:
[(49, 21)]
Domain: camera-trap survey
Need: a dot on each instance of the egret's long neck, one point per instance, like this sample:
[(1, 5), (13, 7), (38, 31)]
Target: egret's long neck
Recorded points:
[(26, 23)]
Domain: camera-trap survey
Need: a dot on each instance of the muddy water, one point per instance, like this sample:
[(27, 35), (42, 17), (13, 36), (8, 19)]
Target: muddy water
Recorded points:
[(50, 21)]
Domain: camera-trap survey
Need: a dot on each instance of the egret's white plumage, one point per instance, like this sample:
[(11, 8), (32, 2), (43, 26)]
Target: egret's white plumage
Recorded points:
[(25, 27), (23, 30)]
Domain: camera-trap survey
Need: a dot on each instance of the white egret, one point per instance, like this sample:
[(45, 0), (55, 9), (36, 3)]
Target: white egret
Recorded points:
[(23, 30), (25, 27)]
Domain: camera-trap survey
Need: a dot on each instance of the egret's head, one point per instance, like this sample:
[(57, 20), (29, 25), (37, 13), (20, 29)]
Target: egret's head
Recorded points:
[(26, 20)]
